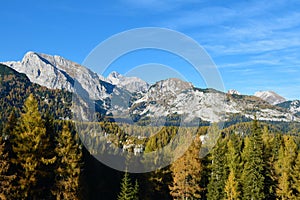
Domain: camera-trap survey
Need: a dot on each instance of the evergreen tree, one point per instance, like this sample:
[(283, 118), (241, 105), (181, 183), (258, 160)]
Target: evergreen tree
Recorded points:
[(136, 190), (31, 150), (232, 188), (128, 192), (9, 127), (68, 162), (296, 177), (186, 172), (271, 148), (284, 167), (6, 187), (7, 174), (157, 184), (219, 172), (253, 175)]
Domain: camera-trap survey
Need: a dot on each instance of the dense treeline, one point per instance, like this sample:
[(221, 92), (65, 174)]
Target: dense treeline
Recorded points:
[(16, 87), (41, 155), (42, 158), (39, 161)]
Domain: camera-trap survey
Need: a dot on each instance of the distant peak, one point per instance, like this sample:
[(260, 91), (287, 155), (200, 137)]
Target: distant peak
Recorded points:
[(233, 91), (267, 93), (29, 55), (30, 52), (114, 74), (264, 92), (174, 83), (270, 96), (174, 80)]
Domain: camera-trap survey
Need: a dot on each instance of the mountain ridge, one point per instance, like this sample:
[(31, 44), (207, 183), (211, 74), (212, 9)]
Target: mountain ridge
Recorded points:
[(122, 96), (270, 96), (132, 84)]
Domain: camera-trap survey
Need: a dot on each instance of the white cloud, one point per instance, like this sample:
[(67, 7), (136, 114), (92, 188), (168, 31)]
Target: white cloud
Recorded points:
[(248, 63), (263, 45)]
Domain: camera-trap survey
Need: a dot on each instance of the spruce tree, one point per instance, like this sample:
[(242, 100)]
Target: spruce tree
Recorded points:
[(136, 190), (219, 172), (68, 163), (31, 150), (186, 173), (271, 149), (253, 175), (128, 192)]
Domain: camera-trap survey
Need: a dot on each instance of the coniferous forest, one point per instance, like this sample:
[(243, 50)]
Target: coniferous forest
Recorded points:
[(42, 156)]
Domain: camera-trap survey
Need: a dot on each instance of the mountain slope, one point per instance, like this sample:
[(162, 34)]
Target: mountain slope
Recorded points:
[(132, 84), (16, 87), (55, 72), (175, 97), (292, 106), (270, 96)]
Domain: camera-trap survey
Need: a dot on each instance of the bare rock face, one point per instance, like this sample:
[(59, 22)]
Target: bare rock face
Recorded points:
[(124, 96), (56, 72), (132, 84), (270, 96), (292, 106), (233, 91)]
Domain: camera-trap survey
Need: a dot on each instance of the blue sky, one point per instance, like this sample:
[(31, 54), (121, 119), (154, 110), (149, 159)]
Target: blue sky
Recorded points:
[(254, 44)]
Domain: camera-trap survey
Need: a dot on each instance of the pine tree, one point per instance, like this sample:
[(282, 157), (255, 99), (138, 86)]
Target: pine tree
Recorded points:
[(253, 175), (128, 192), (284, 167), (186, 172), (68, 162), (6, 187), (31, 148)]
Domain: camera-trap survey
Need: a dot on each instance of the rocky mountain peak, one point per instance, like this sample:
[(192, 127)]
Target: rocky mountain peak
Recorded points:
[(56, 72), (29, 56), (233, 91), (114, 74), (172, 84), (132, 84), (270, 97), (122, 95)]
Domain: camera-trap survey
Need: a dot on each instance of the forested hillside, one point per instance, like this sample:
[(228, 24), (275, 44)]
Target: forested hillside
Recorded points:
[(42, 156), (16, 87)]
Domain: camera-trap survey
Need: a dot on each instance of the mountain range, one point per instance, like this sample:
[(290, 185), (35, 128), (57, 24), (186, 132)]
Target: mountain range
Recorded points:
[(123, 97)]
